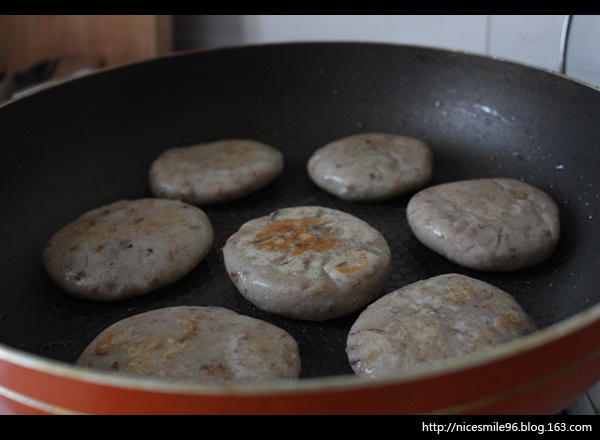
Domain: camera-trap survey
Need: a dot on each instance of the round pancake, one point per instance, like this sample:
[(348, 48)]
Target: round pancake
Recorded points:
[(128, 248), (371, 167), (432, 320), (486, 224), (216, 172), (308, 262), (200, 344)]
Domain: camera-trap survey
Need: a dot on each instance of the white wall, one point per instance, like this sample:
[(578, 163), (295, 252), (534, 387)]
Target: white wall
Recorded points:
[(583, 49), (531, 39)]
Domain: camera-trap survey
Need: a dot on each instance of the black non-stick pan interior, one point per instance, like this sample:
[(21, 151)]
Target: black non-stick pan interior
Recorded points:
[(90, 141)]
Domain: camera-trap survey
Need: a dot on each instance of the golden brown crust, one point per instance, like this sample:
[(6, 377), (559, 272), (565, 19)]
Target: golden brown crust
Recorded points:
[(200, 344), (308, 262)]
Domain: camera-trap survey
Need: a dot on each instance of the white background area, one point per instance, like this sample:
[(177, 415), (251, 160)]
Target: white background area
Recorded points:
[(534, 40), (531, 39)]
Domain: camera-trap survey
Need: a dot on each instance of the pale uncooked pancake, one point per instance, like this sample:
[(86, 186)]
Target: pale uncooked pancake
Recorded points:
[(128, 248), (486, 224), (199, 344), (371, 167), (308, 262), (432, 320), (215, 172)]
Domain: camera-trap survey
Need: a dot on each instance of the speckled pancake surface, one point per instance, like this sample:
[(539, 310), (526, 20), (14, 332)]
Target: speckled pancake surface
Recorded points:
[(371, 167), (128, 248), (308, 262), (432, 320), (491, 224), (215, 172), (193, 343)]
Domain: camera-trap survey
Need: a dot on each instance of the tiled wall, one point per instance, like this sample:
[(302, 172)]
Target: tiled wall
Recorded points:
[(531, 39)]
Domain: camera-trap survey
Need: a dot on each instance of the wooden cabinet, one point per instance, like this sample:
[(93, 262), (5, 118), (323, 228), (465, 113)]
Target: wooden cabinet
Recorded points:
[(115, 39)]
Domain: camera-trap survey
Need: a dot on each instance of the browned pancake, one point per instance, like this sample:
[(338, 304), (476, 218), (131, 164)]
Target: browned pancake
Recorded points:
[(199, 344), (308, 262), (432, 320)]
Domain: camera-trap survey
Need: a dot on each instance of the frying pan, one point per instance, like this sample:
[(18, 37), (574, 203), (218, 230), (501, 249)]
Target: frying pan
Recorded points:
[(89, 141)]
